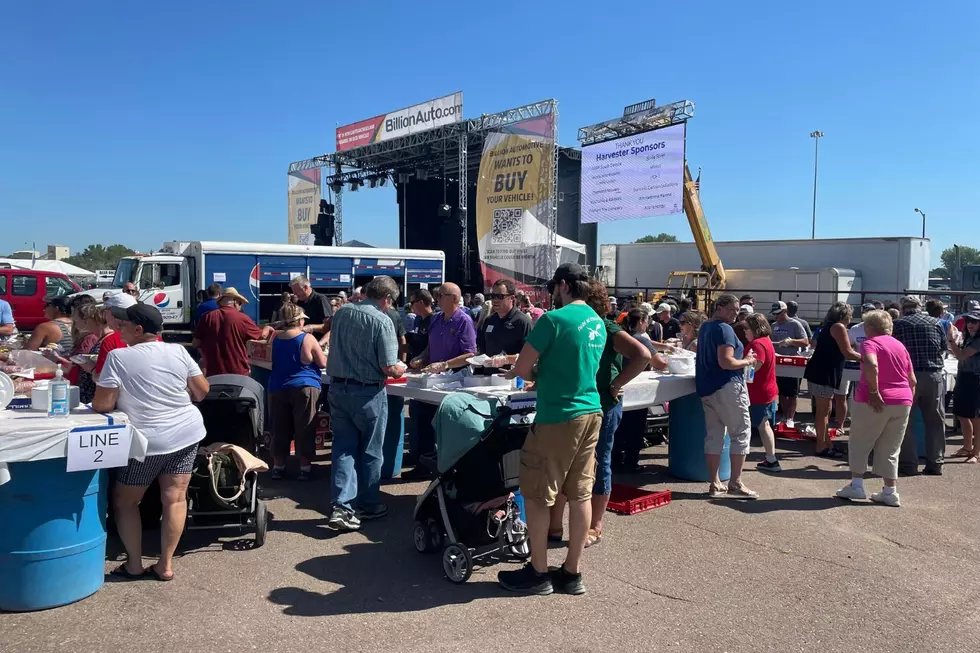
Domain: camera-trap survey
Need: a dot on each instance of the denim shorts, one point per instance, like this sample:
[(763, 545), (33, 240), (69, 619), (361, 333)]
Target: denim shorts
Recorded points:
[(760, 413)]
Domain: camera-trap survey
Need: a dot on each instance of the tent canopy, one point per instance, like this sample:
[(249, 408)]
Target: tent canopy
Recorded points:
[(47, 266)]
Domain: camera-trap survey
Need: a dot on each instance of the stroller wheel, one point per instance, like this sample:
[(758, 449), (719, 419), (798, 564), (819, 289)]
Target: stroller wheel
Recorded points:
[(426, 536), (261, 522), (457, 563)]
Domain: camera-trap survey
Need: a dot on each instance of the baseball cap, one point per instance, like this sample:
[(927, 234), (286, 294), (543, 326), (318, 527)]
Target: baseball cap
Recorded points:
[(342, 294), (613, 300), (777, 308), (120, 300), (867, 306), (910, 300), (972, 316), (143, 315), (664, 307), (746, 308), (569, 273)]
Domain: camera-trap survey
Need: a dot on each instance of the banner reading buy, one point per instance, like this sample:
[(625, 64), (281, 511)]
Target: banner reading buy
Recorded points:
[(514, 201)]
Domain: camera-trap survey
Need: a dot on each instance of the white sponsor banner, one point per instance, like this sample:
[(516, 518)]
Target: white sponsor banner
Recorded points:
[(420, 117), (639, 176)]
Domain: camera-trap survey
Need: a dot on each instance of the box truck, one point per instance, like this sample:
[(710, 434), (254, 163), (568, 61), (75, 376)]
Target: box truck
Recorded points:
[(171, 278)]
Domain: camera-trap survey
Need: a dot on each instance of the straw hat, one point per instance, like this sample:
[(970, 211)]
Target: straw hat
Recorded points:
[(231, 293)]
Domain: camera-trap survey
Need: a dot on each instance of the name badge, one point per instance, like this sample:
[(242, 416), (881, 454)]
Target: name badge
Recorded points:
[(489, 328)]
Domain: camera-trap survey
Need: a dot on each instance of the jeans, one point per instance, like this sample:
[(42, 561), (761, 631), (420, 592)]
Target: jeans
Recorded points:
[(360, 416), (928, 391), (603, 449), (425, 434)]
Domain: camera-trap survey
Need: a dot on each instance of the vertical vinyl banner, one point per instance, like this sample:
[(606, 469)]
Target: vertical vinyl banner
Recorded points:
[(514, 203), (304, 204)]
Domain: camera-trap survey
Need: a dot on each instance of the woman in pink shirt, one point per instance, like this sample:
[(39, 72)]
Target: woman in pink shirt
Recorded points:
[(882, 403)]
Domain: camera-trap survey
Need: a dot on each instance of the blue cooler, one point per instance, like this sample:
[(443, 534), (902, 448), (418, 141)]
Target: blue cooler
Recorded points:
[(685, 453)]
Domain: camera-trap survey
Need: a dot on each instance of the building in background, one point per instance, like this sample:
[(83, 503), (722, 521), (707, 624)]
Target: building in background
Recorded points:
[(58, 252)]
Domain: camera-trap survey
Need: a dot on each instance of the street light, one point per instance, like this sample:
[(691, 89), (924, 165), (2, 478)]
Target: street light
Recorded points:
[(923, 222), (816, 136)]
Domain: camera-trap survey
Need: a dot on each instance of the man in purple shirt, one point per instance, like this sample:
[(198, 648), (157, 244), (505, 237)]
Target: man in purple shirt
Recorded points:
[(452, 339)]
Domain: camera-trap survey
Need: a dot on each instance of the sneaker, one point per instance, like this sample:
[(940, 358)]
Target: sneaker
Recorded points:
[(936, 470), (887, 499), (852, 493), (304, 475), (526, 581), (566, 582), (741, 492), (716, 491), (766, 466), (375, 512), (790, 424), (278, 473), (904, 472), (343, 520)]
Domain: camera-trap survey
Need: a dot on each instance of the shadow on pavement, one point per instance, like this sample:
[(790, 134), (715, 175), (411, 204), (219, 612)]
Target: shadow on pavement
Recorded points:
[(799, 504), (385, 574)]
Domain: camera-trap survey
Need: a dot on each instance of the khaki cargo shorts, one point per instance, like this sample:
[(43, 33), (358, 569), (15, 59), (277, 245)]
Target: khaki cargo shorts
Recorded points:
[(560, 458)]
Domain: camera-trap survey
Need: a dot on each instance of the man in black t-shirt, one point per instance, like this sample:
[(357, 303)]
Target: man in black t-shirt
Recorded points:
[(316, 306), (503, 333), (671, 325)]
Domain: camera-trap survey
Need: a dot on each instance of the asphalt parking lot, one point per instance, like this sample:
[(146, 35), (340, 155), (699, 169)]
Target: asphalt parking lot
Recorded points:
[(797, 570)]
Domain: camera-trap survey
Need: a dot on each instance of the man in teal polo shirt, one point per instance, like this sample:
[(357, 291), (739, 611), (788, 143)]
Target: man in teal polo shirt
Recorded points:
[(559, 454)]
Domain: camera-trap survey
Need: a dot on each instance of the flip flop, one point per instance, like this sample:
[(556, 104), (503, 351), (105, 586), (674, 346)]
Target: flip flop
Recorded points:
[(593, 537), (122, 573), (962, 453), (153, 573), (831, 454)]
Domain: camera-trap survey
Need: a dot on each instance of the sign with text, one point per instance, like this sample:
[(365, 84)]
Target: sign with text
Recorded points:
[(638, 176), (99, 447), (434, 113), (304, 204)]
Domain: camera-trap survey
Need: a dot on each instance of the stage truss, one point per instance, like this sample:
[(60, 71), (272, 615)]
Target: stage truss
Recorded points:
[(449, 152), (634, 123)]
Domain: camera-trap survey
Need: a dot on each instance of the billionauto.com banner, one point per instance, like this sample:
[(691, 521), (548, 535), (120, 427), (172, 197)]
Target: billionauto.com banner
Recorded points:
[(434, 113)]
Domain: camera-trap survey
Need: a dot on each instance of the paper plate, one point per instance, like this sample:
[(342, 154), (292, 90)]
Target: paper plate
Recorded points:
[(6, 390)]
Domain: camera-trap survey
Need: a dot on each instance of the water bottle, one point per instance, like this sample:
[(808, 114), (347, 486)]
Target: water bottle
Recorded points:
[(518, 383), (749, 374), (58, 391)]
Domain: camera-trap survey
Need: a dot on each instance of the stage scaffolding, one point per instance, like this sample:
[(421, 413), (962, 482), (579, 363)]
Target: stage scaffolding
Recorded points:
[(451, 152)]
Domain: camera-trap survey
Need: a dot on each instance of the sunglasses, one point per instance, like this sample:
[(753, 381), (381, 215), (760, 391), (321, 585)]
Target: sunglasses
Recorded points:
[(499, 295)]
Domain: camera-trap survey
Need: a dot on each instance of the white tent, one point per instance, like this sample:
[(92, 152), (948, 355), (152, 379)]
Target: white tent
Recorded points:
[(47, 266)]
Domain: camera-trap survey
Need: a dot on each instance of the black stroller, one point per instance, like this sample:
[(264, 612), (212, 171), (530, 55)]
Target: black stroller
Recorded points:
[(218, 496), (469, 511)]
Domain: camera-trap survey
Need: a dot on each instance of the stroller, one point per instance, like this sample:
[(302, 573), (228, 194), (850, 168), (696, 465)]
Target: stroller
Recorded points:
[(219, 497), (469, 511)]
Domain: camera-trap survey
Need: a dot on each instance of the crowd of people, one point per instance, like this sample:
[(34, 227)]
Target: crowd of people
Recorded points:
[(579, 355)]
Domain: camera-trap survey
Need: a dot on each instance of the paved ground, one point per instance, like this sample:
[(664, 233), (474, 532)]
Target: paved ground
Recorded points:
[(795, 571)]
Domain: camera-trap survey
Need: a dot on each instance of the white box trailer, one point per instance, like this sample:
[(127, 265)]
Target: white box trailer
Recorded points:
[(814, 290), (887, 266)]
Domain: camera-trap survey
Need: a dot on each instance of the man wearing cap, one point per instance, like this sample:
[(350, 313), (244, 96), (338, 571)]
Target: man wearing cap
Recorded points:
[(856, 333), (671, 325), (559, 455), (154, 383), (114, 339), (788, 339), (316, 306), (613, 309), (793, 309), (925, 341), (223, 335)]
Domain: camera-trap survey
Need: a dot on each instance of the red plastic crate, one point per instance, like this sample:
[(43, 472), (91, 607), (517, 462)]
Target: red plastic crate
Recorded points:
[(795, 434), (795, 361), (627, 500)]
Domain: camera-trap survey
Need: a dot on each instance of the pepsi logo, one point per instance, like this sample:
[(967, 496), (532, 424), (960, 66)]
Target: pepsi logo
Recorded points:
[(160, 300), (253, 281)]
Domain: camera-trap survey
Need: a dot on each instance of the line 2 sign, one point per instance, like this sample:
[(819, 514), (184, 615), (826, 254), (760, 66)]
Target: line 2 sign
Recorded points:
[(99, 447)]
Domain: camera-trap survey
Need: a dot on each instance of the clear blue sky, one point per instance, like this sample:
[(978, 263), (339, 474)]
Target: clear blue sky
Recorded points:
[(140, 122)]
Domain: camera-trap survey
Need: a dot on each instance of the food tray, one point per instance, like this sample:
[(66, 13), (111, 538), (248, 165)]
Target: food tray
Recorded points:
[(795, 361), (627, 500)]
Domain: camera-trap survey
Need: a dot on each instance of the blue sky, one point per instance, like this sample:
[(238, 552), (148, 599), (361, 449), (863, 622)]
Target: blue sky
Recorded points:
[(142, 122)]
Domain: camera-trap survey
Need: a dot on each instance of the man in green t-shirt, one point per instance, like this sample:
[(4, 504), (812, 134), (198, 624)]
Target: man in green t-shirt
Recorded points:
[(559, 454)]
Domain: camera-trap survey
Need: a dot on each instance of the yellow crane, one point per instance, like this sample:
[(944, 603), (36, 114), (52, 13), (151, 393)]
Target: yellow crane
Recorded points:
[(711, 277)]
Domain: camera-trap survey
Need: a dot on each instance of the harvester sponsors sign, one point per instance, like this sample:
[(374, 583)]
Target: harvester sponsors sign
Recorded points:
[(514, 202), (304, 204), (434, 113)]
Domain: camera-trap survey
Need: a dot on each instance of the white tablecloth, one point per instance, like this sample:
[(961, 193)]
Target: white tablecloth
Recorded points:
[(27, 435), (648, 389)]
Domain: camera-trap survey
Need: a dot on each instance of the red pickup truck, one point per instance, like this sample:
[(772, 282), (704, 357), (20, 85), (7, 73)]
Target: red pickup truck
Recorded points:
[(25, 291)]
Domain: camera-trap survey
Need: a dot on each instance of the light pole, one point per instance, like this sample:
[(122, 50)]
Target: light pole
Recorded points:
[(923, 222), (816, 136)]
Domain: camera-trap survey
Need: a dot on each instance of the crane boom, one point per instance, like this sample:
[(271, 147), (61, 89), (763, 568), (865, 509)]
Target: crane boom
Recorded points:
[(712, 275)]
